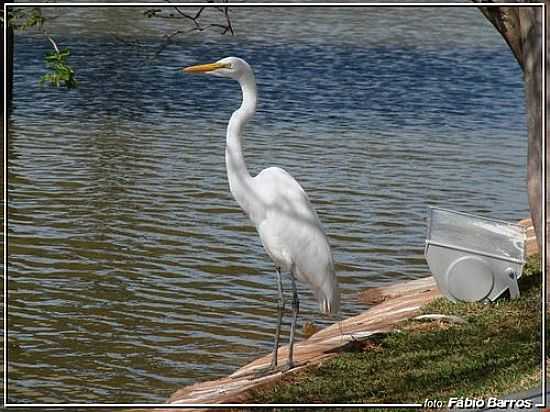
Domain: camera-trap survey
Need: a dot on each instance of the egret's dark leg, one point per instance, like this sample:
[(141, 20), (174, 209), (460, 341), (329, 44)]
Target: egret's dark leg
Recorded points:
[(272, 368), (295, 310), (280, 310)]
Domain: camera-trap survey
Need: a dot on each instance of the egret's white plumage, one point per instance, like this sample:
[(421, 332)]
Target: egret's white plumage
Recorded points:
[(292, 235), (288, 226)]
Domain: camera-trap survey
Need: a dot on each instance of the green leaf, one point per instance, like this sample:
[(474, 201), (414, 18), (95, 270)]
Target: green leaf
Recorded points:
[(61, 74)]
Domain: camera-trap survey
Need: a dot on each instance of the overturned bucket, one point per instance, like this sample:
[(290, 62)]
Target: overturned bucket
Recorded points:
[(474, 258)]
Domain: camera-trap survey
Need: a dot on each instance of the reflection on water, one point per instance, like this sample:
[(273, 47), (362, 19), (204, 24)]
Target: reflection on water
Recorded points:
[(132, 271)]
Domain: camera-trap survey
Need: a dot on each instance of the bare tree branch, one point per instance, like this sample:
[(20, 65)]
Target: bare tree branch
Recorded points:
[(228, 21), (194, 18)]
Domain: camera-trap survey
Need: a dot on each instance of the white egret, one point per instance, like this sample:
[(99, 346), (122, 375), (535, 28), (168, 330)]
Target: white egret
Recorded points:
[(288, 226)]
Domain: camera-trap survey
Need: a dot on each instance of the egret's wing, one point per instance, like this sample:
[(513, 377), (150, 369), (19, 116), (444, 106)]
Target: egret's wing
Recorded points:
[(281, 193)]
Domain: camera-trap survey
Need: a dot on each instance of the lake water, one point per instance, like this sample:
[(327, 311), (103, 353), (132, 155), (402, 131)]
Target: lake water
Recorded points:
[(133, 272)]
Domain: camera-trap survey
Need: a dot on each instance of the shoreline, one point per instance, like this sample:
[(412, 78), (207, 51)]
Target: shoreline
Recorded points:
[(391, 305)]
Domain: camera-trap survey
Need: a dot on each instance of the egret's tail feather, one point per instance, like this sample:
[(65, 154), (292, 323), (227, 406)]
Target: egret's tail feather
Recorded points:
[(330, 302)]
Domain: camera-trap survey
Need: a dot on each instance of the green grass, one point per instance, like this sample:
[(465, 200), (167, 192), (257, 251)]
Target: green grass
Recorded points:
[(497, 351)]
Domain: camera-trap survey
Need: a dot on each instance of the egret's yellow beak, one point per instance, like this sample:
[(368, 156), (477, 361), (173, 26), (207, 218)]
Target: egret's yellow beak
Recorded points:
[(203, 68)]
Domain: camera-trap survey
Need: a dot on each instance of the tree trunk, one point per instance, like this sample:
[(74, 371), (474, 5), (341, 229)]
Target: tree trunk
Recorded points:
[(521, 27)]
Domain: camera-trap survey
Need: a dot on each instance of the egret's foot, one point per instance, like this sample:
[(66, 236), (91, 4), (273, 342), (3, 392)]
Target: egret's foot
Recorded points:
[(270, 370)]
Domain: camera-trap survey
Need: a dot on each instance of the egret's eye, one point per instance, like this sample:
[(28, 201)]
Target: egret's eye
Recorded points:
[(227, 66)]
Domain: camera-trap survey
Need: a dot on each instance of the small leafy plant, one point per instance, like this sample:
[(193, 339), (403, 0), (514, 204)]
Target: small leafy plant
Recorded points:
[(56, 61), (61, 74)]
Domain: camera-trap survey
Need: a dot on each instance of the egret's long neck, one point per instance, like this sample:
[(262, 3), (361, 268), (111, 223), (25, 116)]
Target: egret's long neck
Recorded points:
[(237, 172)]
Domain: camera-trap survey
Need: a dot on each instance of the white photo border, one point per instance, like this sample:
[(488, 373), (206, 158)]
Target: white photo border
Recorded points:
[(544, 159)]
